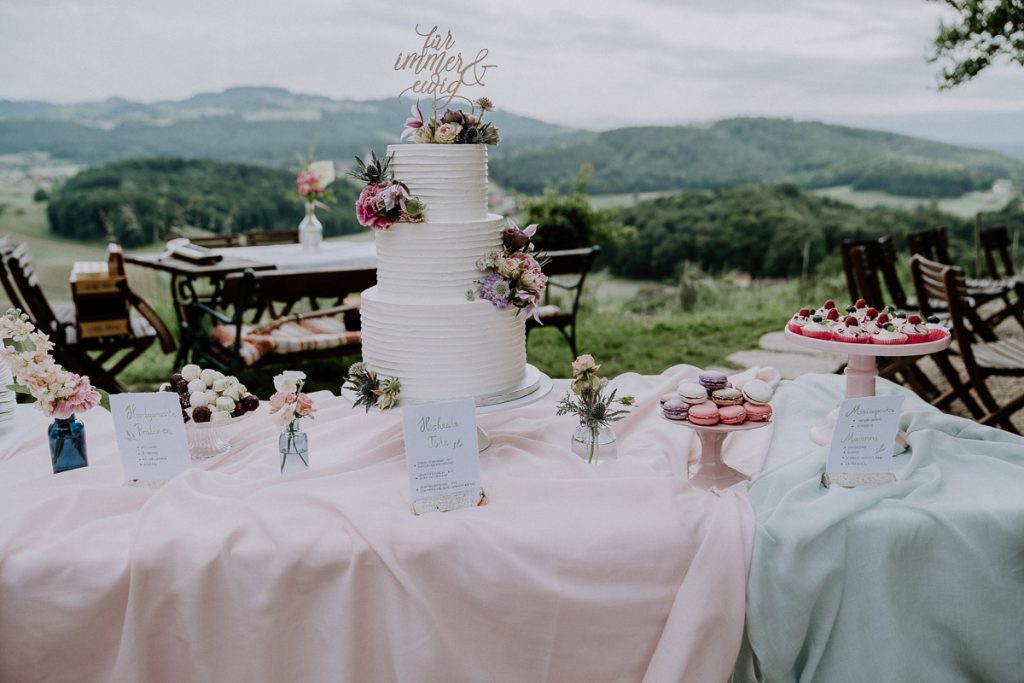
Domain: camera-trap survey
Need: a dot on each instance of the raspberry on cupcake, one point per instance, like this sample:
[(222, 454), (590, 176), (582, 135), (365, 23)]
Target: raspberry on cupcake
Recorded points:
[(851, 332), (801, 318), (916, 330)]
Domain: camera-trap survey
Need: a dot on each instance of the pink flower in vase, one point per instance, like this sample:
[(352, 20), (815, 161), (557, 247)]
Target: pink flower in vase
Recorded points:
[(83, 398), (305, 406)]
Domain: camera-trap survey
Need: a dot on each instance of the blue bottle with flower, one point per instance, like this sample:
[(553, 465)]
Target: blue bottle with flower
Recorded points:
[(67, 444)]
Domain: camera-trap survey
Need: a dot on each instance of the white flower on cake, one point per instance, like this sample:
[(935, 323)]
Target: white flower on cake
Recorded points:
[(447, 133), (288, 381), (423, 135)]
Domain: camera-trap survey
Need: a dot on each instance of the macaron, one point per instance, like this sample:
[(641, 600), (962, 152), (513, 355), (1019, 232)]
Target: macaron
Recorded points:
[(692, 393), (665, 398), (758, 412), (705, 414), (757, 391), (732, 415), (712, 380), (675, 409), (727, 396)]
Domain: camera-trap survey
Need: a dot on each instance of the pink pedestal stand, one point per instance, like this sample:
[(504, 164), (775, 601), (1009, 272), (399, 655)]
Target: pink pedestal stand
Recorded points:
[(711, 471), (861, 371)]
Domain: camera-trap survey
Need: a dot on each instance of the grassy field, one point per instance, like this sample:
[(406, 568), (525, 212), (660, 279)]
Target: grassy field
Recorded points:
[(965, 206)]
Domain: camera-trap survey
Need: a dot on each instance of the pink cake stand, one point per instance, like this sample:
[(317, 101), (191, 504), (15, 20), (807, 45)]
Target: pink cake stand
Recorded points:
[(711, 471), (861, 371)]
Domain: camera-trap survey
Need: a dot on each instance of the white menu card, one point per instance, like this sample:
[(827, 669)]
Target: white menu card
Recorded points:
[(442, 455), (150, 435), (863, 439)]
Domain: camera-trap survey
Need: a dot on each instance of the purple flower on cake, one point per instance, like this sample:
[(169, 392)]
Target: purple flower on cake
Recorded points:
[(391, 196), (497, 289), (414, 123)]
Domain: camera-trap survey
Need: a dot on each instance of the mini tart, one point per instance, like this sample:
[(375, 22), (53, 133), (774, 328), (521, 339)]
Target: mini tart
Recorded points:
[(888, 337), (705, 414), (727, 396), (758, 412), (851, 334), (817, 330), (732, 414)]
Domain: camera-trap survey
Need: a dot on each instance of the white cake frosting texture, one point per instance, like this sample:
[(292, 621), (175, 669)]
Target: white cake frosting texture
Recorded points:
[(417, 323)]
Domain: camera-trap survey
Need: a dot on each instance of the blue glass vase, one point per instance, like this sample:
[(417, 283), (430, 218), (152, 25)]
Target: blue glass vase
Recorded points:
[(293, 445), (67, 445)]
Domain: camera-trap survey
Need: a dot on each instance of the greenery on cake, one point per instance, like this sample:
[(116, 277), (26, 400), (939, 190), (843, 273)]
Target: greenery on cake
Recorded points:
[(454, 127)]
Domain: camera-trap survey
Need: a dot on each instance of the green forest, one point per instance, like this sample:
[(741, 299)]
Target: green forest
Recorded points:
[(139, 201), (757, 151)]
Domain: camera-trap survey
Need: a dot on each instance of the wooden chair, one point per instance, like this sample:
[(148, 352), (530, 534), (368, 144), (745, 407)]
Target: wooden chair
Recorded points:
[(59, 323), (982, 359), (224, 340), (211, 241), (994, 244), (257, 238), (576, 262), (933, 245), (877, 266)]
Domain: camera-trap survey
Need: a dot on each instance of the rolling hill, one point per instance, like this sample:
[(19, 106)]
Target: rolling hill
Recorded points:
[(758, 151)]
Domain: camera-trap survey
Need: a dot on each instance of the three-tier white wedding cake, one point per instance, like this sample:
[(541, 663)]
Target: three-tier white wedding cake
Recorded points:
[(418, 324)]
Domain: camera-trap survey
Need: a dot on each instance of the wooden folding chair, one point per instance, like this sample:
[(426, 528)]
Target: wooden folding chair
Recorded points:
[(994, 244), (567, 262), (74, 353), (982, 359)]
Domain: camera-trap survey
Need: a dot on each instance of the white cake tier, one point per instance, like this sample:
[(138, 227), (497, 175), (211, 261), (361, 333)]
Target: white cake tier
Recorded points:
[(443, 351), (451, 180), (433, 261)]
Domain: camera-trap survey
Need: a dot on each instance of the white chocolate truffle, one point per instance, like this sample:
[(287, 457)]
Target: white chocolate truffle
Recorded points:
[(219, 415), (224, 403), (190, 372), (196, 385), (208, 376), (219, 385), (198, 399)]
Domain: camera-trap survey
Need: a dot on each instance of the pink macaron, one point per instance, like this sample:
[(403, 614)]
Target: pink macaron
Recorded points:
[(705, 414), (732, 415), (758, 412)]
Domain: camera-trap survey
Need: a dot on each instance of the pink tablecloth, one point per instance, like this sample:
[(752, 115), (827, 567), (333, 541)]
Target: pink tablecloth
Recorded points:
[(233, 572)]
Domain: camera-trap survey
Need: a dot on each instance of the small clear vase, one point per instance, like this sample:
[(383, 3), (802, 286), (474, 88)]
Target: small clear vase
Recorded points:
[(293, 445), (311, 231), (67, 444), (595, 444)]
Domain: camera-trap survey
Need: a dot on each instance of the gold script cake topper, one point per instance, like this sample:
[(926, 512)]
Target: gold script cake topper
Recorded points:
[(441, 72)]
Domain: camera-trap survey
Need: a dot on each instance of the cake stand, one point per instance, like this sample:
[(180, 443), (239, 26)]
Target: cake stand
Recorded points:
[(534, 387), (711, 471), (861, 371)]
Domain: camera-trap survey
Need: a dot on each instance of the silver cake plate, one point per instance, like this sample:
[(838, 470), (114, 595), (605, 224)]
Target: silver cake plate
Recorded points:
[(534, 386)]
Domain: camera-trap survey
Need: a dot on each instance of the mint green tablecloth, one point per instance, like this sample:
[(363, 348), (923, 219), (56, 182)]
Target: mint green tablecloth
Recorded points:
[(920, 580)]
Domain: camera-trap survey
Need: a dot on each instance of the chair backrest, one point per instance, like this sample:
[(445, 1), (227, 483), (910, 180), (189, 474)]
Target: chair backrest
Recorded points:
[(940, 281), (995, 243), (217, 241), (10, 290), (569, 262), (287, 286), (932, 244), (255, 238), (863, 262), (23, 274), (877, 259)]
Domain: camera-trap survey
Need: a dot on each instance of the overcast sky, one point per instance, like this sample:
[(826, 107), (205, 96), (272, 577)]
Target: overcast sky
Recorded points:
[(581, 62)]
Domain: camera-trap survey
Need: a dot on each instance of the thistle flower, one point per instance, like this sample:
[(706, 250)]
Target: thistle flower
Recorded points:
[(485, 104)]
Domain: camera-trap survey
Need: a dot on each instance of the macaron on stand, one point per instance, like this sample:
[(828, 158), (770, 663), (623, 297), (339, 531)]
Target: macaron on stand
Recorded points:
[(861, 370)]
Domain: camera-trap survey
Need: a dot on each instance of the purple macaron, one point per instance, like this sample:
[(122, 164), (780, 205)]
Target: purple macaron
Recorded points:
[(712, 380), (675, 409)]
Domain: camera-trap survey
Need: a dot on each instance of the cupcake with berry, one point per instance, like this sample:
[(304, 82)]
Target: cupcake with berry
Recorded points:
[(817, 329), (825, 308), (870, 320), (860, 309), (889, 336), (799, 319), (832, 319), (936, 330), (851, 332), (916, 330)]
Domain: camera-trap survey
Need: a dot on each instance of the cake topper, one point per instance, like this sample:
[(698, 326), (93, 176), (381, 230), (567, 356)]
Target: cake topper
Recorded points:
[(441, 72)]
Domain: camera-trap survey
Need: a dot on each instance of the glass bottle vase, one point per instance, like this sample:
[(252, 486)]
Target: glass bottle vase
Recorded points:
[(67, 444), (311, 231), (595, 444), (293, 445)]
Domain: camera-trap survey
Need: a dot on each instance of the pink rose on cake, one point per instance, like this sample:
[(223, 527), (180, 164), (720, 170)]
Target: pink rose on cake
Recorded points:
[(366, 209), (447, 133)]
